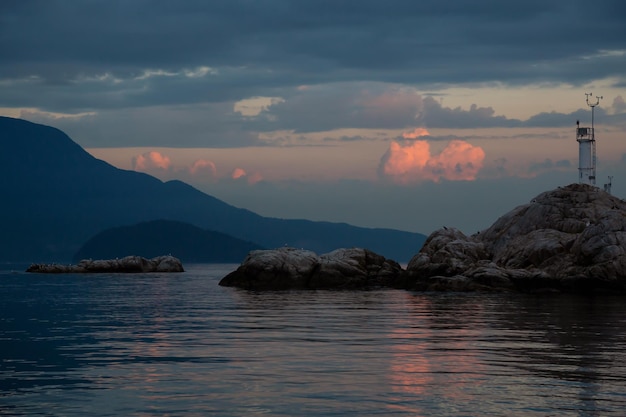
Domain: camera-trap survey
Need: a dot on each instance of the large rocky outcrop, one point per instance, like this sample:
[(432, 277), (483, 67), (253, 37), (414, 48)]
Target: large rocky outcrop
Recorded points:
[(569, 239), (128, 264), (289, 268)]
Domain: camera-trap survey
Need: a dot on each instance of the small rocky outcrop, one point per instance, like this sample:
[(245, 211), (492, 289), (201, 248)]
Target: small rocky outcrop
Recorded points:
[(128, 264), (571, 239), (289, 268)]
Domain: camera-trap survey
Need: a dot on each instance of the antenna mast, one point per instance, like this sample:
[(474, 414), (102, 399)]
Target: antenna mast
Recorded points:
[(586, 138), (593, 106)]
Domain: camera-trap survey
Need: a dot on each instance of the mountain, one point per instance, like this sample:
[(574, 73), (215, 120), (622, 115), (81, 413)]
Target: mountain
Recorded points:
[(55, 196), (162, 237)]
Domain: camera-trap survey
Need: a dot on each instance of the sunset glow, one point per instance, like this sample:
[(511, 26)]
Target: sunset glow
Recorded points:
[(151, 160), (238, 173), (412, 162), (203, 167), (330, 112)]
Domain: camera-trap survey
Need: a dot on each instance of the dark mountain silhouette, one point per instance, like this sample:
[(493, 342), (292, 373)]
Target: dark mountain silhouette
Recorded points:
[(55, 196), (164, 237)]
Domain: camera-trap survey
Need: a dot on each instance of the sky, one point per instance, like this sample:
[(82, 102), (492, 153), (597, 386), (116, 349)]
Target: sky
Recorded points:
[(400, 114)]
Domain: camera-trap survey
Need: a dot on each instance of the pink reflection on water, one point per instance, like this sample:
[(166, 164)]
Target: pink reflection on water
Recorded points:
[(433, 354)]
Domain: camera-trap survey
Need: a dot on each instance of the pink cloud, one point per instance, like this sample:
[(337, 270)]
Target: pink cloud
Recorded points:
[(238, 173), (202, 167), (412, 162), (241, 174), (151, 160)]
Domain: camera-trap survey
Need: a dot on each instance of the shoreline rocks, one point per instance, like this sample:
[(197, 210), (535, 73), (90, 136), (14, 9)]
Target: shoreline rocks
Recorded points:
[(128, 264), (572, 239), (289, 268)]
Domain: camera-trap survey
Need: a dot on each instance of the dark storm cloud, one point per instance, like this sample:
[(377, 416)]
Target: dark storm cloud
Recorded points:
[(436, 115), (366, 106), (602, 115), (383, 106), (258, 46), (349, 105)]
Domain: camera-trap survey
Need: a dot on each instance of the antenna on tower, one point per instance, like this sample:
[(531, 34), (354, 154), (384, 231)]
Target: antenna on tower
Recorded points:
[(592, 105), (586, 138)]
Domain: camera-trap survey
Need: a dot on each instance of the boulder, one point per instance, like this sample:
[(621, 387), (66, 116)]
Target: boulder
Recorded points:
[(289, 268), (128, 264), (570, 239)]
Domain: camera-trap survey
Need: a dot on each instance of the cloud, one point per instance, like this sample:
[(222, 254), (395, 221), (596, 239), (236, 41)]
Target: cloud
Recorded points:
[(324, 107), (300, 66), (161, 166), (619, 105), (150, 161), (202, 126), (416, 133), (388, 106), (48, 117), (254, 178), (238, 173), (203, 168), (334, 64), (253, 106), (408, 162), (241, 174), (436, 115), (305, 43)]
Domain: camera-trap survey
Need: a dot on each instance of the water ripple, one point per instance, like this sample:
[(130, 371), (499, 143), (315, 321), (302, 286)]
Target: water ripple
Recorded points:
[(159, 344)]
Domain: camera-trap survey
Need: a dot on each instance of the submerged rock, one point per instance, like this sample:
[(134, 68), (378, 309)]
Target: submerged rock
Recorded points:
[(128, 264), (570, 239), (289, 268)]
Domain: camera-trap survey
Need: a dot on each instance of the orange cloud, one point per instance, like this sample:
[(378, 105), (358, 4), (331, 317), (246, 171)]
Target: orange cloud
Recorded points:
[(238, 173), (203, 167), (151, 160), (411, 162)]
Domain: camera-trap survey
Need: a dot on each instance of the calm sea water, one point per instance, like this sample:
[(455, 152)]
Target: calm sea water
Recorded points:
[(180, 345)]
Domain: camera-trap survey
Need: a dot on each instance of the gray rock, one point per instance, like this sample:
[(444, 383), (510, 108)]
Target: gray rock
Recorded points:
[(289, 268), (569, 239), (128, 264)]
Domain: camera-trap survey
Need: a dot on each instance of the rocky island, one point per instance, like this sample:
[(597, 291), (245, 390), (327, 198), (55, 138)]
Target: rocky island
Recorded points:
[(128, 264), (290, 268), (571, 239)]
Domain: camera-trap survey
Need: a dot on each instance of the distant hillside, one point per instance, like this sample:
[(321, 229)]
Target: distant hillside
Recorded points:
[(163, 237), (55, 196)]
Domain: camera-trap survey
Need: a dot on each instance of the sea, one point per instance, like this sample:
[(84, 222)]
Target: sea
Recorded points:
[(181, 345)]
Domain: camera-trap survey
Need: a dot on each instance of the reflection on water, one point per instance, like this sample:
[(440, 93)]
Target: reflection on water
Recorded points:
[(159, 344), (433, 351)]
